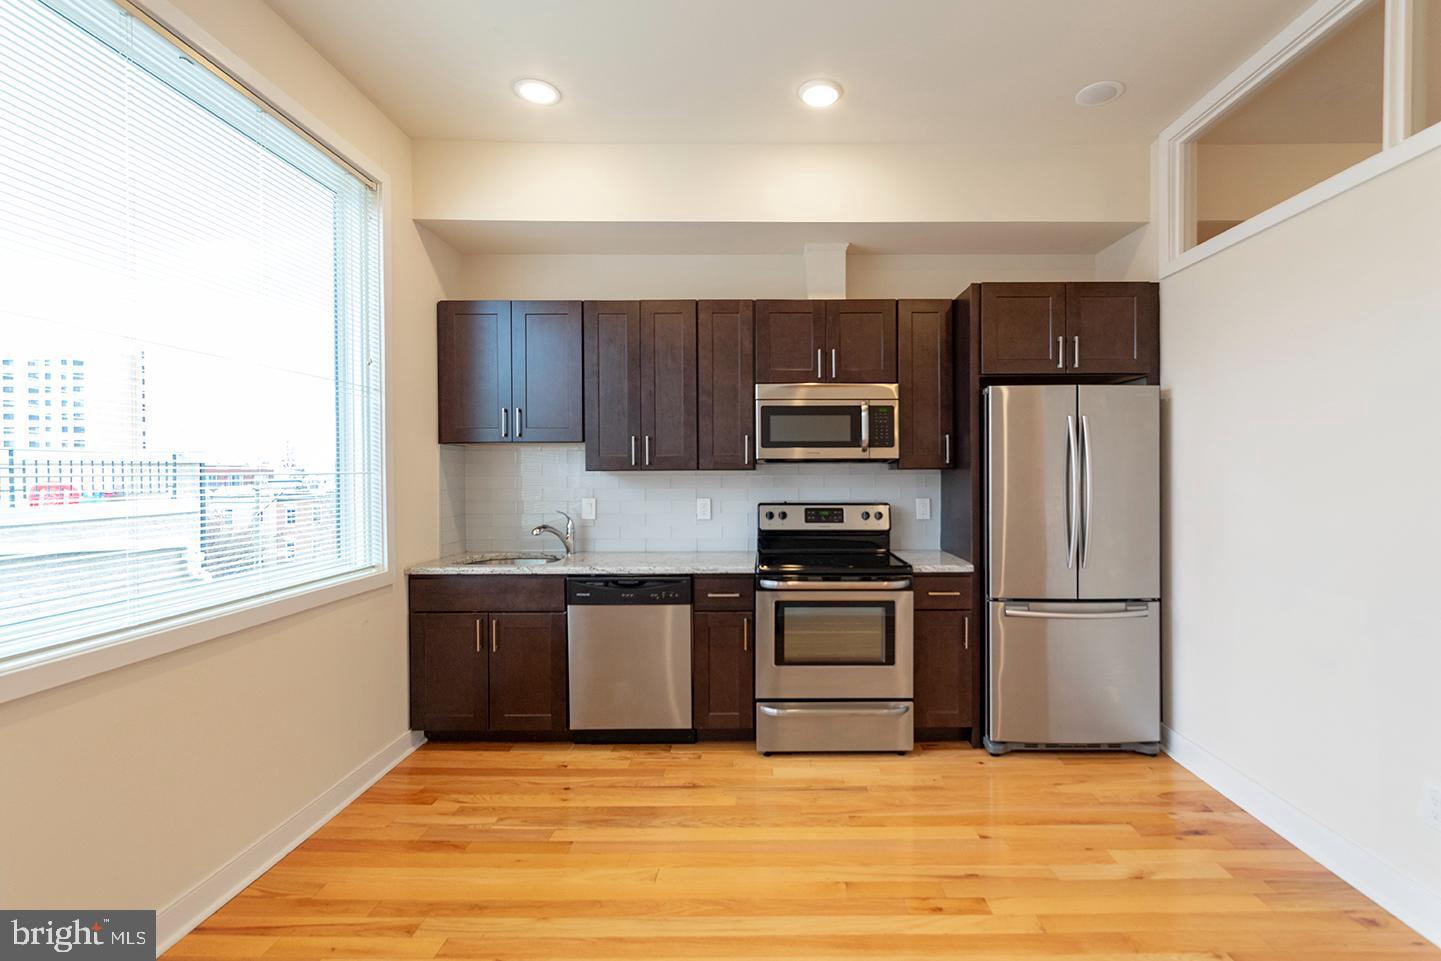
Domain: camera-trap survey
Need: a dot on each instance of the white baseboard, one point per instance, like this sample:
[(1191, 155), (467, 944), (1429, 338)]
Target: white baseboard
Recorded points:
[(1412, 904), (182, 915)]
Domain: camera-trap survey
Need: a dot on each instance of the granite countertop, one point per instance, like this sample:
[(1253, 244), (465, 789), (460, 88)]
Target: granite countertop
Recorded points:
[(660, 562)]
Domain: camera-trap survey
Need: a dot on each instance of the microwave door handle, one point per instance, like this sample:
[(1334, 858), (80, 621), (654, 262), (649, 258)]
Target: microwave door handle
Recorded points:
[(865, 426)]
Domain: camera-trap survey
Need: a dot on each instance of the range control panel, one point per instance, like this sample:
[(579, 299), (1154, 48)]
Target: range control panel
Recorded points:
[(824, 517)]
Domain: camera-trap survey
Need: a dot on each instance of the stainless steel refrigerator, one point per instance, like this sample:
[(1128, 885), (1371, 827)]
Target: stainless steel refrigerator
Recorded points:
[(1073, 579)]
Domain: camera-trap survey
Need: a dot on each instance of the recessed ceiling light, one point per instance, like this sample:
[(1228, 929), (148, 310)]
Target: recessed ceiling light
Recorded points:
[(1096, 94), (536, 91), (820, 93)]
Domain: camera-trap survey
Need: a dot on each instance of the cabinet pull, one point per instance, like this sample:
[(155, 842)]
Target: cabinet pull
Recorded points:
[(818, 364), (477, 635), (518, 421), (731, 594), (748, 450), (944, 593), (632, 450), (745, 634), (1060, 353), (967, 622), (505, 422), (647, 450), (833, 363), (492, 636), (948, 448), (1076, 351)]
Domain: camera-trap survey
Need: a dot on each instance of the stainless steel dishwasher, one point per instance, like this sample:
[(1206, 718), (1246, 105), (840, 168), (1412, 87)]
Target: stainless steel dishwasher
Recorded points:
[(629, 641)]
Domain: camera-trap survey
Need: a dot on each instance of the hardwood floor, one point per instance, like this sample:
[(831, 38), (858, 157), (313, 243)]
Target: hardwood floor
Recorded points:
[(561, 851)]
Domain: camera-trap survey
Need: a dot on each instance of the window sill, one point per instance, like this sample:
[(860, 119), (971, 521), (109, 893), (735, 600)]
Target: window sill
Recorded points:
[(31, 674)]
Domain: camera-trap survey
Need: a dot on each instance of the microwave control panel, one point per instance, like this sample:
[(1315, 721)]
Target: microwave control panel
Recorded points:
[(883, 426)]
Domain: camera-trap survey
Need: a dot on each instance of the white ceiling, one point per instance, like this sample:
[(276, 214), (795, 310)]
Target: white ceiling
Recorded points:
[(674, 71)]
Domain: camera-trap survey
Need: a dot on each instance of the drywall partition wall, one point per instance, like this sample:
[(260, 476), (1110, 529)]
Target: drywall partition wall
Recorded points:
[(130, 788), (1302, 653), (513, 487)]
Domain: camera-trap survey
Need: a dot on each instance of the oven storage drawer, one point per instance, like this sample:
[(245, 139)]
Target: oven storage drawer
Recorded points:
[(834, 726)]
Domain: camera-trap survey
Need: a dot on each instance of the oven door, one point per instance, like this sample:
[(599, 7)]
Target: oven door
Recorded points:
[(812, 429), (844, 641)]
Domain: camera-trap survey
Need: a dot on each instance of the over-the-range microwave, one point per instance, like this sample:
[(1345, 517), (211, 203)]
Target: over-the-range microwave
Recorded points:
[(827, 422)]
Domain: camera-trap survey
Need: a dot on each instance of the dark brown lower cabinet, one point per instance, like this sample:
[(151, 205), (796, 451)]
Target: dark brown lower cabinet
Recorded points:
[(448, 666), (944, 675), (723, 671), (527, 672)]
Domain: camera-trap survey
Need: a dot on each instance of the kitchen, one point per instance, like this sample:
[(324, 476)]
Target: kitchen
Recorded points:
[(612, 479)]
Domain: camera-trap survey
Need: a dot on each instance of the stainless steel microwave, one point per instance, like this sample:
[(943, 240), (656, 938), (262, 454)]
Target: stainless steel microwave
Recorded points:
[(827, 422)]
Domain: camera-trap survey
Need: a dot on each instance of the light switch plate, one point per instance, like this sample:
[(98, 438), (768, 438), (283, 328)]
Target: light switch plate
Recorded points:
[(587, 508), (923, 508), (702, 508)]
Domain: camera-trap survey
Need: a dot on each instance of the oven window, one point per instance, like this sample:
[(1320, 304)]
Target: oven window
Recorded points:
[(787, 425), (815, 633)]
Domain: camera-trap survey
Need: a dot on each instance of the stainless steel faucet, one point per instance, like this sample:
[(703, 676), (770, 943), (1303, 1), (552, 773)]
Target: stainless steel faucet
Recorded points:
[(568, 538)]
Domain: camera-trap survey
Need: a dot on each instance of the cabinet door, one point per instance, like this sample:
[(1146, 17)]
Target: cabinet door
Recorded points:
[(667, 384), (546, 378), (860, 341), (790, 341), (944, 677), (448, 672), (473, 349), (927, 380), (1113, 328), (723, 671), (725, 384), (527, 672), (1023, 328), (612, 385)]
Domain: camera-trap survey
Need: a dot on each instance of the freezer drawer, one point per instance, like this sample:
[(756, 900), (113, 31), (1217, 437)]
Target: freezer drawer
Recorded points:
[(1069, 673)]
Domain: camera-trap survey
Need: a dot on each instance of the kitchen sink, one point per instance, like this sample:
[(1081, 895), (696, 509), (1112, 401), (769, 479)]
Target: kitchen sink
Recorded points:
[(511, 560)]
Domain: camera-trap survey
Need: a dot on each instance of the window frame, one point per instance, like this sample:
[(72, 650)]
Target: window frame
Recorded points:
[(64, 664), (1176, 183)]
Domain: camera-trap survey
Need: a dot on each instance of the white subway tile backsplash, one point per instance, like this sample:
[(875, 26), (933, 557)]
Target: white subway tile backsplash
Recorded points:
[(496, 493)]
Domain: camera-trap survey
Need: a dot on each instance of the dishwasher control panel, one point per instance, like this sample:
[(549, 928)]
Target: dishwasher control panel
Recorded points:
[(580, 591)]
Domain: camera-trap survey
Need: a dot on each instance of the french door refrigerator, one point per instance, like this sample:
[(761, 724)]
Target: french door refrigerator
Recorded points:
[(1073, 589)]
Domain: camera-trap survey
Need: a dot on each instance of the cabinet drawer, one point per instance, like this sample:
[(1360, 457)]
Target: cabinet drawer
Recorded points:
[(725, 592), (943, 592), (487, 592)]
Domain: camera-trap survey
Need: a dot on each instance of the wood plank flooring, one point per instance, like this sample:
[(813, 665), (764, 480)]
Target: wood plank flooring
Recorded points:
[(710, 851)]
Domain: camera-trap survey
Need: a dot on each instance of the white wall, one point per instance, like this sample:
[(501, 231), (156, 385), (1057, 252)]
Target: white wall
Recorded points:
[(513, 487), (129, 788), (1303, 648)]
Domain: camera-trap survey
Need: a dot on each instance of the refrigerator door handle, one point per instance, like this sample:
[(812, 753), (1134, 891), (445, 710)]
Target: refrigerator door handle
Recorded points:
[(1073, 499), (1086, 510), (1130, 610)]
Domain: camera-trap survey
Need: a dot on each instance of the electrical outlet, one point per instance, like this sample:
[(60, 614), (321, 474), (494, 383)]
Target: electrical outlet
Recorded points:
[(702, 508), (1431, 809), (587, 508), (923, 508)]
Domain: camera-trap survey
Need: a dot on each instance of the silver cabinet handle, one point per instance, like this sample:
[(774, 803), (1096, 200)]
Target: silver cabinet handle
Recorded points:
[(632, 450), (1076, 351), (518, 412), (843, 711), (1060, 353), (948, 447), (1073, 500), (1086, 511), (1129, 611), (745, 635), (647, 450), (747, 449), (944, 593), (727, 594), (819, 375), (966, 642), (901, 584), (492, 635), (477, 635), (505, 422), (865, 426), (833, 363)]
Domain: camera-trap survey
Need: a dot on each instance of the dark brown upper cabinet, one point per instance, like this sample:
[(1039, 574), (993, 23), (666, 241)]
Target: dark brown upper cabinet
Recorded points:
[(725, 384), (527, 672), (509, 371), (448, 667), (1085, 327), (1113, 328), (926, 361), (860, 342), (640, 385), (790, 341), (1023, 328)]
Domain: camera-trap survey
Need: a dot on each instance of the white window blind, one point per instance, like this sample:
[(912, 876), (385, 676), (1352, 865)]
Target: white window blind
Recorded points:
[(190, 341)]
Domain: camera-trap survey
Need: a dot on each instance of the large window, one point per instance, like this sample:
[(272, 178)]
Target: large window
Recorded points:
[(190, 340)]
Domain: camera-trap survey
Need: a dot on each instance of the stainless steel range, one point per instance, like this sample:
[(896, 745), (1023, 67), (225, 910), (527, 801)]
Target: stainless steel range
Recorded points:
[(834, 617)]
